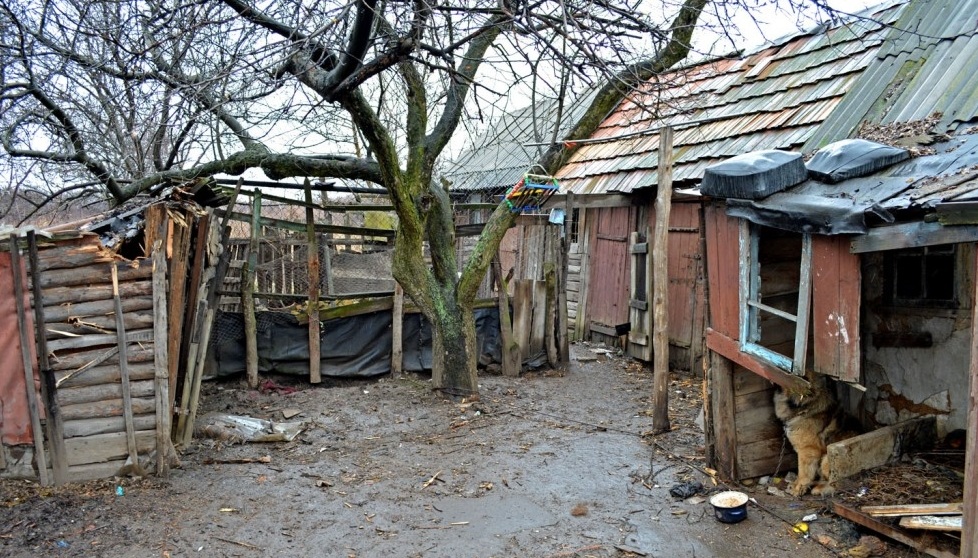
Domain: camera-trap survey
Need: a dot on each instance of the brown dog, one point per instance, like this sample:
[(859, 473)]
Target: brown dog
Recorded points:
[(812, 420)]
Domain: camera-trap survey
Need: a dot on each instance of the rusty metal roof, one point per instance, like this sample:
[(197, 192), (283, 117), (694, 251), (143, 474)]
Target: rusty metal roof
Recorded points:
[(773, 98)]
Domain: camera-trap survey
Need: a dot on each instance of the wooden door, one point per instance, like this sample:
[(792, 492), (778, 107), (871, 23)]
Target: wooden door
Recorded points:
[(610, 269)]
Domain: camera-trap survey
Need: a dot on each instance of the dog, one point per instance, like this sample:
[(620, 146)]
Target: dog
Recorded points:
[(812, 420)]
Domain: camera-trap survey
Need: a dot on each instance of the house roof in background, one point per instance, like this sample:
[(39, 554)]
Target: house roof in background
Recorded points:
[(501, 156), (774, 98)]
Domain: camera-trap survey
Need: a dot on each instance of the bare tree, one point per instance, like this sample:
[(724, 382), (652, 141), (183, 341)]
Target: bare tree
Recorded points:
[(121, 96)]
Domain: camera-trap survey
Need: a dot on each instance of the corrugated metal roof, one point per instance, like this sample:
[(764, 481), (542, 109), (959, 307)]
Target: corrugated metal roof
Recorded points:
[(773, 98), (929, 64)]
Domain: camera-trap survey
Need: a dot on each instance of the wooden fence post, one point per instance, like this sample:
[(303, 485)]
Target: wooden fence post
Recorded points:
[(248, 294), (397, 331), (660, 285), (312, 253)]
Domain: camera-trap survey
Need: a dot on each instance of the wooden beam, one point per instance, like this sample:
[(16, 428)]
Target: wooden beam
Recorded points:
[(730, 348), (900, 510), (969, 534), (55, 421), (247, 291), (25, 352), (880, 446), (511, 349), (590, 201), (660, 286), (397, 331), (312, 253), (932, 522), (301, 227), (912, 235), (120, 329), (161, 355), (922, 545)]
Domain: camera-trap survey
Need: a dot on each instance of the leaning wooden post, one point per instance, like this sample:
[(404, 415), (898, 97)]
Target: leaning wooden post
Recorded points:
[(127, 415), (969, 533), (511, 353), (25, 352), (49, 391), (397, 331), (312, 252), (161, 377), (248, 294), (660, 287)]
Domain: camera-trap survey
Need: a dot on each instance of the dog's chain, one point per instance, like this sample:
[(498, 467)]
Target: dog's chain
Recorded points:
[(784, 443)]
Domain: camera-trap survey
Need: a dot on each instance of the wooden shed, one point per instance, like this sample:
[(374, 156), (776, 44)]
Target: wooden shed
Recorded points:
[(871, 282)]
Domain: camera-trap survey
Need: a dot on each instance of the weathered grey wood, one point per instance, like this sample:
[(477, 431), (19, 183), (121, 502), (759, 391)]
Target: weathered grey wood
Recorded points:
[(22, 324), (900, 510), (108, 408), (98, 340), (312, 249), (397, 331), (124, 375), (134, 321), (923, 544), (73, 258), (54, 423), (192, 324), (106, 425), (511, 353), (721, 420), (95, 308), (95, 471), (107, 447), (161, 365), (77, 360), (969, 534), (911, 235), (105, 374), (93, 274), (550, 314), (56, 296), (523, 315), (563, 342), (539, 322), (876, 448), (89, 394), (178, 245), (247, 299), (932, 522), (659, 266)]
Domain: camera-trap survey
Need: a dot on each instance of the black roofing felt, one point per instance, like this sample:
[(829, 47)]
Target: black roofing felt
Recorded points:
[(919, 183)]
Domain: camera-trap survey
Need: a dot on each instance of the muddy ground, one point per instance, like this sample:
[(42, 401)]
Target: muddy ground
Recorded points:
[(552, 464)]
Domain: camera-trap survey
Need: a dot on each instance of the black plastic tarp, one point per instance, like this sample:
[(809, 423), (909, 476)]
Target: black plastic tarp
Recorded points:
[(358, 346)]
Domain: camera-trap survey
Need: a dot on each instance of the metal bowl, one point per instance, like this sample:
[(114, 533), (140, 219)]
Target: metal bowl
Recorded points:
[(729, 506)]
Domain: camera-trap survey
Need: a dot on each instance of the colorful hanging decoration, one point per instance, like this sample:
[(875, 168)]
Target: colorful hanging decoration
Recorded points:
[(531, 192)]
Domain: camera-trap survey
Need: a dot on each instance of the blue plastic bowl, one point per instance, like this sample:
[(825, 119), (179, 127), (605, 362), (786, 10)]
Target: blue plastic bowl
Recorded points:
[(729, 506)]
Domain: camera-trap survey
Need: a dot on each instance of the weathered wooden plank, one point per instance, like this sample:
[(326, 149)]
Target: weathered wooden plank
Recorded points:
[(23, 323), (745, 383), (74, 258), (523, 315), (397, 329), (762, 457), (923, 544), (721, 419), (97, 340), (247, 294), (969, 534), (932, 522), (106, 425), (912, 235), (74, 361), (730, 349), (56, 296), (837, 292), (106, 447), (163, 418), (136, 320), (89, 394), (876, 448), (95, 308), (55, 420), (899, 510), (95, 471), (108, 408), (723, 268), (178, 250), (93, 274)]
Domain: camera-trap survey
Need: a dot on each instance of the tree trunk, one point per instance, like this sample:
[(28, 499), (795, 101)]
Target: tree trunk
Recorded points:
[(453, 348)]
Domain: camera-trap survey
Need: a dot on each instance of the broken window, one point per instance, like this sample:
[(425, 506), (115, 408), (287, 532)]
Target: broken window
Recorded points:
[(775, 295), (921, 277)]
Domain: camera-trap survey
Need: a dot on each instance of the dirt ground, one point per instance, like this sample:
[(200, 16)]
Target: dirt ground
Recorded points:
[(552, 464)]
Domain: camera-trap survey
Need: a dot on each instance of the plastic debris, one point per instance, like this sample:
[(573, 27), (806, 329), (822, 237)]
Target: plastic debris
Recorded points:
[(119, 491), (234, 428), (800, 528), (810, 517), (686, 489)]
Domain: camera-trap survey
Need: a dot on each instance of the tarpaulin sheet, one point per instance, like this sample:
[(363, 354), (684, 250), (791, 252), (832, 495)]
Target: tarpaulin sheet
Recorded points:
[(357, 346), (15, 418)]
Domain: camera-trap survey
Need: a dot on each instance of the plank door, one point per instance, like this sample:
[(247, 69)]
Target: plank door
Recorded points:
[(610, 268)]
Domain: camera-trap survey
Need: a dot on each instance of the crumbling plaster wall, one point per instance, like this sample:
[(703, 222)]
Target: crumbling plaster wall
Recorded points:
[(915, 360)]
